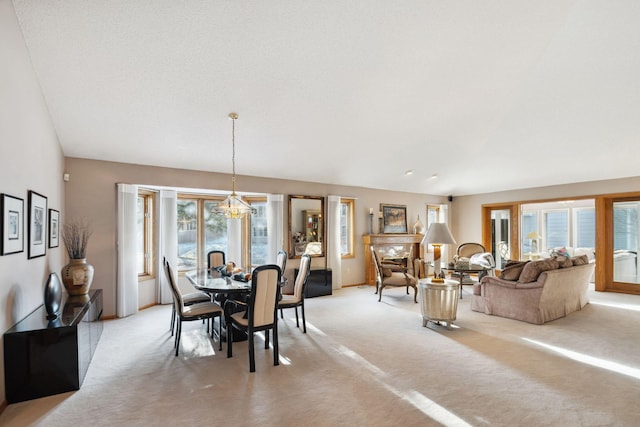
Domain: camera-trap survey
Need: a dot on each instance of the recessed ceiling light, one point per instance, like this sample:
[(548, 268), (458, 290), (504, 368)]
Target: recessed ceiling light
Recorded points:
[(434, 176), (409, 172)]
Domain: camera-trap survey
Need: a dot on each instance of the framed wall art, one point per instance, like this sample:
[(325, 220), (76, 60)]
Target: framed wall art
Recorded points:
[(54, 228), (37, 225), (12, 231), (394, 218)]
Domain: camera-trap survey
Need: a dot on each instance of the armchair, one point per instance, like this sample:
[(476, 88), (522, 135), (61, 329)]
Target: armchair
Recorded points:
[(393, 275)]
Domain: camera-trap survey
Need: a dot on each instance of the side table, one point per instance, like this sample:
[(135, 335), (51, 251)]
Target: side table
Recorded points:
[(438, 301)]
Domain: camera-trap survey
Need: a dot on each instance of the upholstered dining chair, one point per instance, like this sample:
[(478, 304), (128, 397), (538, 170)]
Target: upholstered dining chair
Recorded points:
[(260, 313), (393, 275), (188, 298), (297, 299), (199, 311), (215, 259), (281, 261)]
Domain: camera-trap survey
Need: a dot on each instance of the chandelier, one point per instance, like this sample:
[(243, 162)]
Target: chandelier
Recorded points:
[(233, 206)]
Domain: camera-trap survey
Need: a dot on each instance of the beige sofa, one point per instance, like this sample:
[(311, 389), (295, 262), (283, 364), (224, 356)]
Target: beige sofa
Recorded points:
[(555, 293)]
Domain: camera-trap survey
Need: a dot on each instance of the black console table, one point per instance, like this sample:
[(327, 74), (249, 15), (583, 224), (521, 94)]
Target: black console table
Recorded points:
[(44, 357), (318, 283)]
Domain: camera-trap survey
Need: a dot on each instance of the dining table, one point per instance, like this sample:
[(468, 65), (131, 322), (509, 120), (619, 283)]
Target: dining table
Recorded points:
[(213, 282)]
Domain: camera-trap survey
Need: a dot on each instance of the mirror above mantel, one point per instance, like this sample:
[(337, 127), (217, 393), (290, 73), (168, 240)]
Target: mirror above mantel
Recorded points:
[(306, 226)]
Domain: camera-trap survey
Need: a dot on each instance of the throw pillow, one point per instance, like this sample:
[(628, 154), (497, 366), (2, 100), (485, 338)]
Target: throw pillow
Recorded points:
[(564, 262), (580, 260), (532, 270), (512, 270)]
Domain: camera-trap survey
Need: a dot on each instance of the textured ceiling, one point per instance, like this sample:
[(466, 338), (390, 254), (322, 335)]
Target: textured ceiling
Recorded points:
[(488, 95)]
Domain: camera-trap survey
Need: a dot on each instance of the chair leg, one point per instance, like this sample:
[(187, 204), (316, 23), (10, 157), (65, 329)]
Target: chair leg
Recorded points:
[(252, 361), (276, 354), (173, 317), (220, 333), (407, 290), (178, 333), (415, 294), (266, 338), (380, 294), (229, 339), (281, 315), (304, 321), (297, 321)]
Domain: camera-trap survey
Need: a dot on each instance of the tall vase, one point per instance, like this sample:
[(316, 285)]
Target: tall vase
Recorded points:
[(77, 276), (418, 227)]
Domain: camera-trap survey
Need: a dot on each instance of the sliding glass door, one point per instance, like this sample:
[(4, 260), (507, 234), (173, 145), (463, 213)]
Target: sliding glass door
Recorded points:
[(625, 241)]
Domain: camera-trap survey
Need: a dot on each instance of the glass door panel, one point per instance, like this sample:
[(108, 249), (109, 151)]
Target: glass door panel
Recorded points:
[(500, 226), (625, 241)]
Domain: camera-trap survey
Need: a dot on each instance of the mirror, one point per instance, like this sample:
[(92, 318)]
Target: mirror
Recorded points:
[(306, 226)]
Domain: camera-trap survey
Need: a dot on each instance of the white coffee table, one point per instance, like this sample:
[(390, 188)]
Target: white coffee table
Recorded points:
[(438, 301)]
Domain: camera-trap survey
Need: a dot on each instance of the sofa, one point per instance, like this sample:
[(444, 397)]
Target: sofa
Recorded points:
[(535, 291)]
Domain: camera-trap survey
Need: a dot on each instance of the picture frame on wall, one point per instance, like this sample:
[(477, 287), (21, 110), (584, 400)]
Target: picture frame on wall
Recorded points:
[(12, 230), (54, 228), (394, 218), (37, 246)]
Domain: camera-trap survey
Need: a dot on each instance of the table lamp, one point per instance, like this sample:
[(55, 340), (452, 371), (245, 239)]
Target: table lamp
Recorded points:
[(438, 235), (533, 237)]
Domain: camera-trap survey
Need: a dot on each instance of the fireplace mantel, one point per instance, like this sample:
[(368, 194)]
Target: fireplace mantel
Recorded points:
[(383, 241)]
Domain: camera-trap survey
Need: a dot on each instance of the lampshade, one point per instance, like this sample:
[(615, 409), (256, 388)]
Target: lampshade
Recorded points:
[(438, 234), (233, 206), (533, 235)]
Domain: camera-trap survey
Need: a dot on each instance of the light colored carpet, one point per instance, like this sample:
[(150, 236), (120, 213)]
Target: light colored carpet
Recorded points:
[(364, 363)]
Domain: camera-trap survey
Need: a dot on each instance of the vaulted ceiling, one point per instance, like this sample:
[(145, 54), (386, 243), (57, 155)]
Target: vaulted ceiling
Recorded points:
[(487, 95)]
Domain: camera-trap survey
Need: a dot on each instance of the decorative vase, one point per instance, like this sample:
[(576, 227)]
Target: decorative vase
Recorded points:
[(418, 227), (52, 296), (77, 276)]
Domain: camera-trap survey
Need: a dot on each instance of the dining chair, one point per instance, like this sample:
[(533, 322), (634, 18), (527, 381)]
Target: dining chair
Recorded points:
[(200, 311), (260, 312), (215, 259), (188, 298), (393, 275), (297, 299), (281, 261)]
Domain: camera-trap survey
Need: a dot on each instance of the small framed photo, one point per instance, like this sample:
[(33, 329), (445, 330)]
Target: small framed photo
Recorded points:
[(37, 225), (54, 228), (12, 231), (394, 218)]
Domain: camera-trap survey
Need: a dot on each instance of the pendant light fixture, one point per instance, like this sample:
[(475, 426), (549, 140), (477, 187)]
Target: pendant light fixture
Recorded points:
[(233, 206)]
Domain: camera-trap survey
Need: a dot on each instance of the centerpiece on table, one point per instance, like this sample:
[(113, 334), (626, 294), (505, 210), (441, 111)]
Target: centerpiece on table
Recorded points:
[(78, 274)]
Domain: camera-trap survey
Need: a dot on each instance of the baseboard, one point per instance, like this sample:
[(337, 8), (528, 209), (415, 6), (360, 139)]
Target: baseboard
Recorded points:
[(147, 306), (356, 284)]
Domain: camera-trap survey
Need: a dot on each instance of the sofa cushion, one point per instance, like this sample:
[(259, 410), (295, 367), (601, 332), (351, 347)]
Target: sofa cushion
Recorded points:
[(532, 269), (564, 262), (580, 260), (512, 270)]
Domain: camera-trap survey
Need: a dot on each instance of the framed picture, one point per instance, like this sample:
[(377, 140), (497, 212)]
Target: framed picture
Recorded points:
[(54, 229), (37, 225), (12, 231), (394, 218)]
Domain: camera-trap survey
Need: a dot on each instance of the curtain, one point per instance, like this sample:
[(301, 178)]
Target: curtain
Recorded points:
[(127, 274), (275, 226), (446, 249), (234, 241), (167, 241), (334, 253)]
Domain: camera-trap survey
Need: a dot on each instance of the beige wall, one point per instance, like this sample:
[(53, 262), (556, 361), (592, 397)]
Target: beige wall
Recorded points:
[(466, 210), (30, 159), (91, 194)]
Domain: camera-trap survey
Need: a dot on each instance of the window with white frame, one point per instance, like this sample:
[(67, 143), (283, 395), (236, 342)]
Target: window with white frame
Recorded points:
[(145, 234), (346, 227)]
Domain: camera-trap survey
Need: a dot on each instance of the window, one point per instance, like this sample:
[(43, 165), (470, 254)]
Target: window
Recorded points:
[(625, 226), (433, 214), (258, 232), (346, 227), (585, 228), (556, 228), (200, 231), (529, 225), (144, 236)]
